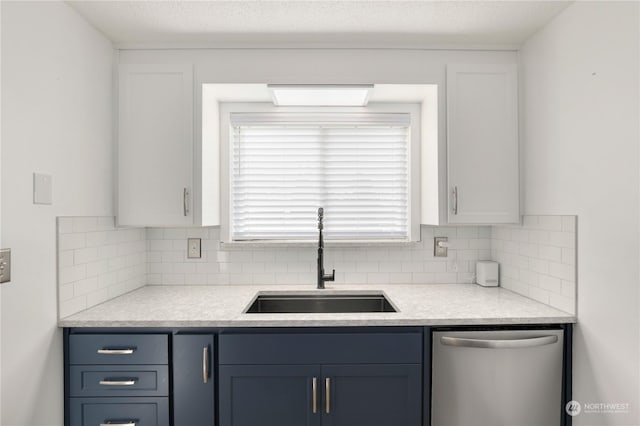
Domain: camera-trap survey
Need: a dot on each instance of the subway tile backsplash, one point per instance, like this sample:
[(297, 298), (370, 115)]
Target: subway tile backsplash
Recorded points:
[(538, 259), (167, 261), (97, 262)]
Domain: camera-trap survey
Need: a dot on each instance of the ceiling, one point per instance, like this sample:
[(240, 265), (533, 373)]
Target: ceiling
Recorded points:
[(319, 23)]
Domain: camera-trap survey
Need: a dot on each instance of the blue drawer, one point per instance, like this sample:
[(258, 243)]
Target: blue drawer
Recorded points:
[(107, 349), (136, 380), (123, 411), (312, 348)]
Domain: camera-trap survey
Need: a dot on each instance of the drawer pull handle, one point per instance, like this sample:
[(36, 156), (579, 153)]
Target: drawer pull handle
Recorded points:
[(120, 423), (314, 400), (327, 393), (127, 382), (205, 364), (107, 351)]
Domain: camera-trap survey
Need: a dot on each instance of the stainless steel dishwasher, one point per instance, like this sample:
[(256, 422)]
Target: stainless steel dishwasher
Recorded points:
[(497, 378)]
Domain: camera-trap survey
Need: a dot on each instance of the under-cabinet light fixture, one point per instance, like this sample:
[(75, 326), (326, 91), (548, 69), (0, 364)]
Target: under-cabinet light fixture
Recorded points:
[(320, 94)]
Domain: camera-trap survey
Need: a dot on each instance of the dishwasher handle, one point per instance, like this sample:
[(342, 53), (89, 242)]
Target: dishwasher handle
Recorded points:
[(529, 342)]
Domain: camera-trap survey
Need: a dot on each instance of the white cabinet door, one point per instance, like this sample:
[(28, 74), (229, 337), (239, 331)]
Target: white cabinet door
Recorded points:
[(155, 145), (482, 144)]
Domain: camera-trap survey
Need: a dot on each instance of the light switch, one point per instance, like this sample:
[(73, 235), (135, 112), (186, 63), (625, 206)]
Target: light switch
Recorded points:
[(42, 189), (193, 248)]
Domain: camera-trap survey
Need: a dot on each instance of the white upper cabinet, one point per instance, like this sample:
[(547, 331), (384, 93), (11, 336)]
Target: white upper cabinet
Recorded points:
[(482, 144), (155, 145)]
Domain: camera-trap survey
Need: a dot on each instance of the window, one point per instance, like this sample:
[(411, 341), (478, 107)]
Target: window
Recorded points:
[(283, 166)]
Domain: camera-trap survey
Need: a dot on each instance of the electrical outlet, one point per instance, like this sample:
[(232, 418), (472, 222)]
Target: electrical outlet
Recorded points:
[(193, 248), (5, 265), (440, 245)]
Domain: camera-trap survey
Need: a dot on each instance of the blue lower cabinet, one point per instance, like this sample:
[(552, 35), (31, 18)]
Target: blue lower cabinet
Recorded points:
[(119, 411), (193, 380), (270, 395), (372, 395)]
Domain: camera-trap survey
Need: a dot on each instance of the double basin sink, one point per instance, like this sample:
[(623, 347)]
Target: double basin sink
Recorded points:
[(289, 303)]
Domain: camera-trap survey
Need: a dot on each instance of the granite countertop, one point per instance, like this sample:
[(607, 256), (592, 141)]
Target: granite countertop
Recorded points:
[(223, 306)]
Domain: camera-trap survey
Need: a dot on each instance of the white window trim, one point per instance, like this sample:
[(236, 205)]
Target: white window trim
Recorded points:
[(228, 108)]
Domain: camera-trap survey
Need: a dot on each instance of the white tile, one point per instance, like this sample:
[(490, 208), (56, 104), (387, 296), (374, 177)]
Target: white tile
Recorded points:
[(287, 278), (562, 302), (263, 278), (298, 267), (569, 289), (98, 296), (550, 253), (537, 236), (366, 266), (400, 277), (195, 279), (202, 233), (529, 222), (71, 241), (172, 279), (422, 277), (173, 256), (378, 278), (72, 306), (569, 223), (552, 284), (108, 279), (85, 255), (97, 268), (65, 225), (412, 267), (539, 294), (160, 245), (562, 239), (467, 232), (540, 266), (70, 274), (230, 268), (569, 256), (560, 270), (106, 223), (186, 268), (480, 243), (484, 232), (65, 258), (435, 266), (65, 292), (444, 278), (208, 268), (240, 279), (85, 286), (256, 268), (355, 278)]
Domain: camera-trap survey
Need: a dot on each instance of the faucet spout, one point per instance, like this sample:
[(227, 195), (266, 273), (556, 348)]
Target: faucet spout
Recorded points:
[(322, 277)]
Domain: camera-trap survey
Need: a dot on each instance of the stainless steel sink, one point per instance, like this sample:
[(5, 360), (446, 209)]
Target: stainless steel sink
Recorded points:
[(319, 303)]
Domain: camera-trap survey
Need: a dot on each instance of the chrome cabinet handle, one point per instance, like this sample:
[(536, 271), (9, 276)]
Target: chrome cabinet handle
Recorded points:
[(327, 392), (498, 344), (455, 200), (205, 364), (107, 351), (185, 203), (314, 399), (127, 382), (120, 423)]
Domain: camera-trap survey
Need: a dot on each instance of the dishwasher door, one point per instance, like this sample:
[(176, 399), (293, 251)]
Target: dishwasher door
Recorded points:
[(497, 378)]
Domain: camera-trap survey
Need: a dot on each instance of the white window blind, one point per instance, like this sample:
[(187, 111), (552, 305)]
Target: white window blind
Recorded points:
[(286, 165)]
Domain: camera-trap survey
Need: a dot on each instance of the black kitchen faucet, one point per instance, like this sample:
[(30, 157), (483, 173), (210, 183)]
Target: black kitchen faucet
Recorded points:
[(321, 275)]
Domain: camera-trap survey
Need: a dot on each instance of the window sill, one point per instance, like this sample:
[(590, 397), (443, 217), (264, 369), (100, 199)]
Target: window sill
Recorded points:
[(232, 245)]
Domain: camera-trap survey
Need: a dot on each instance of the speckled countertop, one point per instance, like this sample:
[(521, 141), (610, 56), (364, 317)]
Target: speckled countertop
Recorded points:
[(223, 306)]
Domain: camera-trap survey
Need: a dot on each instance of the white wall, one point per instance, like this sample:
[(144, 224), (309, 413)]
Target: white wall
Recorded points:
[(56, 98), (581, 156)]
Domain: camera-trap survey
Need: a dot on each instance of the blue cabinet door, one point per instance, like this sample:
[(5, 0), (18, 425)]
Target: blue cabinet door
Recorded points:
[(193, 380), (372, 395), (269, 395)]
